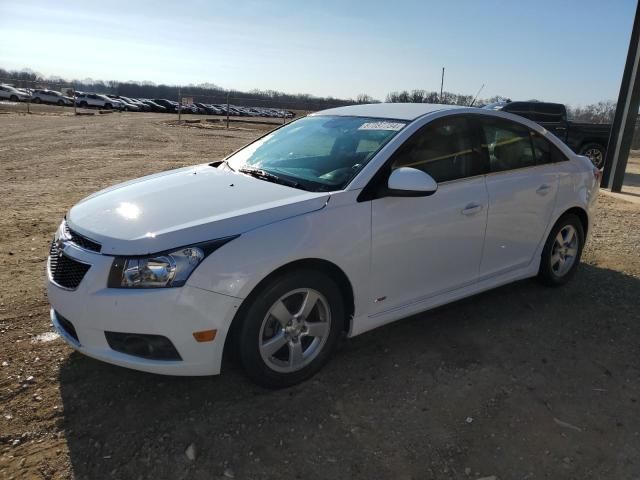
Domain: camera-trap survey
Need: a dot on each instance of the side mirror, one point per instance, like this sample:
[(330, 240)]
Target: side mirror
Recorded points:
[(410, 182)]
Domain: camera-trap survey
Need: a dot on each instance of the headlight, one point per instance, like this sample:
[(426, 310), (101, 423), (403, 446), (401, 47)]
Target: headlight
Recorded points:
[(171, 269)]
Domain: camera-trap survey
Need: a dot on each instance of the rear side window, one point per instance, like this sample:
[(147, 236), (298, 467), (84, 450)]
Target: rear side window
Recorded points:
[(443, 149), (518, 108), (548, 112), (545, 151), (507, 144)]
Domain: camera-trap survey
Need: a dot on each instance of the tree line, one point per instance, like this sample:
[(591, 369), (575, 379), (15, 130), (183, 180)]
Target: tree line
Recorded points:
[(601, 112)]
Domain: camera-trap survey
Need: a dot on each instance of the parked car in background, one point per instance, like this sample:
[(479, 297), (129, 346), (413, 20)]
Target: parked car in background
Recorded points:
[(9, 92), (153, 105), (170, 105), (142, 106), (86, 100), (52, 97), (208, 109), (191, 108), (126, 106), (589, 139), (335, 224)]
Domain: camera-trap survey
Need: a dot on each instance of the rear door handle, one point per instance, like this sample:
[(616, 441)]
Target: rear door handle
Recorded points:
[(543, 189), (471, 208)]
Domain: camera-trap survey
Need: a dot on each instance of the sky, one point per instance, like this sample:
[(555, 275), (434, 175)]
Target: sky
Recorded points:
[(569, 51)]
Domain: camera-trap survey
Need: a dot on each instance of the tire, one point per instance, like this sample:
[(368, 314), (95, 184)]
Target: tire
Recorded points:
[(560, 259), (108, 106), (37, 100), (595, 152), (83, 104), (60, 103), (281, 367), (13, 98)]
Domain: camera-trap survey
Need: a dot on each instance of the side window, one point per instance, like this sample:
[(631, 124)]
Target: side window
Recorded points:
[(518, 108), (507, 144), (548, 112), (443, 149), (545, 151)]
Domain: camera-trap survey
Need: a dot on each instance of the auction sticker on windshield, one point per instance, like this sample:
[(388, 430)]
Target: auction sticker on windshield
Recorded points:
[(395, 126)]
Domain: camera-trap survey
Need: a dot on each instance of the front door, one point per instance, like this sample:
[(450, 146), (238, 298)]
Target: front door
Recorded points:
[(424, 246)]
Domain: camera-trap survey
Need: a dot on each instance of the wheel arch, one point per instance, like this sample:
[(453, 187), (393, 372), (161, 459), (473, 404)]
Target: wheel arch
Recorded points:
[(318, 264), (591, 141), (579, 212)]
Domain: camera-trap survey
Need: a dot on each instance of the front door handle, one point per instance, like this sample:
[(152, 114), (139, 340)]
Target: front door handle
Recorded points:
[(543, 189), (471, 208)]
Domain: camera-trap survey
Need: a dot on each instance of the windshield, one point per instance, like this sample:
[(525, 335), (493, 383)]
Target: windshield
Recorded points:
[(319, 153)]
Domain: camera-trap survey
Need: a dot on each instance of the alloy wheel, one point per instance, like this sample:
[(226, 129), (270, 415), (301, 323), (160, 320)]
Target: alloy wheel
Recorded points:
[(295, 330), (595, 155), (564, 250)]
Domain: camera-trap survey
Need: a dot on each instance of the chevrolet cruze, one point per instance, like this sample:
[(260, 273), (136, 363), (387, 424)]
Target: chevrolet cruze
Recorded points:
[(332, 225)]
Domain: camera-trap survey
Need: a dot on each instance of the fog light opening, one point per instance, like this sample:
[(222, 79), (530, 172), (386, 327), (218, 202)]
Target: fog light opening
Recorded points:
[(151, 347)]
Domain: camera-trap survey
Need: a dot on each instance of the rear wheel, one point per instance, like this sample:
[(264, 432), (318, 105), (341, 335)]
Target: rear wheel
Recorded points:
[(61, 103), (13, 98), (83, 104), (108, 106), (290, 327), (37, 100), (562, 251), (595, 152)]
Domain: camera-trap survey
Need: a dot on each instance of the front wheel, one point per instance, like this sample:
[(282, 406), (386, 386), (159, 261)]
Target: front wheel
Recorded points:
[(562, 251), (36, 100), (13, 98), (61, 103), (290, 327), (108, 106), (595, 152)]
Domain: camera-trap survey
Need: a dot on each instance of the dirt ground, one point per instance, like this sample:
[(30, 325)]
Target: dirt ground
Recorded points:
[(523, 382)]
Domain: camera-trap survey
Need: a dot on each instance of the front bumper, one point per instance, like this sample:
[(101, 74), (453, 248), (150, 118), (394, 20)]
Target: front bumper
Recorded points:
[(174, 313)]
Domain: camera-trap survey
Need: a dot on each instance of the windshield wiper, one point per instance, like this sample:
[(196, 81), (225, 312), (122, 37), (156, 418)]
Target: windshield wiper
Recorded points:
[(268, 176)]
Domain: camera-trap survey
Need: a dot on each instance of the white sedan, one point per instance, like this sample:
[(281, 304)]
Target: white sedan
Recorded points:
[(333, 224)]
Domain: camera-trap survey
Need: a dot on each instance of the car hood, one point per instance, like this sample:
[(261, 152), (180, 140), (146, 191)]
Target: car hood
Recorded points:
[(185, 206)]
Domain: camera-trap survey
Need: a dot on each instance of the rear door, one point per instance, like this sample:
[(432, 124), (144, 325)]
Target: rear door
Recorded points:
[(522, 187)]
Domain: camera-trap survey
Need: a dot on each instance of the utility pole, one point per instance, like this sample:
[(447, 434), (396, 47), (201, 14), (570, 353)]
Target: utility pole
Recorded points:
[(441, 84), (624, 121), (179, 105), (227, 109)]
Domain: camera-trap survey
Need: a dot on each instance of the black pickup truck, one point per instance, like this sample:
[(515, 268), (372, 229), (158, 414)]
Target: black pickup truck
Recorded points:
[(588, 139)]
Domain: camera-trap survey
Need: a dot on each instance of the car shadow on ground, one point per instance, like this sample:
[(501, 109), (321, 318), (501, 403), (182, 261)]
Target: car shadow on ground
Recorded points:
[(487, 385)]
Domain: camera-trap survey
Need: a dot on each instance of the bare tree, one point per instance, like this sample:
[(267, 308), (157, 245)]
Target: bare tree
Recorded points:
[(601, 112), (364, 98)]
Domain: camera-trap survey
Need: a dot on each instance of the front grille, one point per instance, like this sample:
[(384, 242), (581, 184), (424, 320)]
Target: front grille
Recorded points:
[(67, 326), (82, 242), (65, 271)]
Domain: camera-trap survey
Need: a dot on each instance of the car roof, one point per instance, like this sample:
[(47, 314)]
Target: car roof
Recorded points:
[(396, 111)]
